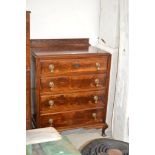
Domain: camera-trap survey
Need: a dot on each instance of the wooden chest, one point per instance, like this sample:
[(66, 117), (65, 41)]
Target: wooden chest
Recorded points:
[(70, 88)]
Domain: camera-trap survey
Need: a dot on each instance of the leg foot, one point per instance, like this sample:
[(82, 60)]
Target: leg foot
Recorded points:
[(103, 132)]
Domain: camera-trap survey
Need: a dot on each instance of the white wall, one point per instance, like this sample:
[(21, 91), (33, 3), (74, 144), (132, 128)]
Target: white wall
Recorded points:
[(109, 23), (64, 19)]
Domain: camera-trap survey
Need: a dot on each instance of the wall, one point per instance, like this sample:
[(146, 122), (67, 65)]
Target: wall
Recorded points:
[(64, 19), (109, 23)]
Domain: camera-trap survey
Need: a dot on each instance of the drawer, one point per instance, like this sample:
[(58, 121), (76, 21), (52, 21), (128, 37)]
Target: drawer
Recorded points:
[(73, 118), (72, 101), (64, 66), (72, 83)]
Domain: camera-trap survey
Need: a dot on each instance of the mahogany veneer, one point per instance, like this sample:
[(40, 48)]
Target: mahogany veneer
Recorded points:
[(70, 84), (28, 68), (72, 101)]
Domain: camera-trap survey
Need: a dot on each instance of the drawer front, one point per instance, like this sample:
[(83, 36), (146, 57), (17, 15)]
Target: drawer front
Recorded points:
[(64, 66), (72, 83), (86, 117), (72, 101)]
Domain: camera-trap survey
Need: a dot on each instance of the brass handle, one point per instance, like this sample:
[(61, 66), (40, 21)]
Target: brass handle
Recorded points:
[(96, 99), (51, 103), (50, 121), (97, 82), (98, 66), (51, 85), (94, 115), (51, 67)]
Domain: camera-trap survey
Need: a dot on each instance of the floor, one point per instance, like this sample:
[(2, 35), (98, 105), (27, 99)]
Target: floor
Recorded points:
[(80, 137)]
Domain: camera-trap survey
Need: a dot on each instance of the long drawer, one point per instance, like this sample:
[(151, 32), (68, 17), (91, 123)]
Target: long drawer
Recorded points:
[(72, 101), (72, 83), (85, 117), (63, 66)]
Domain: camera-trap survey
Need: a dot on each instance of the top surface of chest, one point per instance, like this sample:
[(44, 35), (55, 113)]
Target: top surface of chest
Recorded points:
[(89, 51)]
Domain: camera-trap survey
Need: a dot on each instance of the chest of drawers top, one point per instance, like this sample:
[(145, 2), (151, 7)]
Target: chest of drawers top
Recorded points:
[(88, 51)]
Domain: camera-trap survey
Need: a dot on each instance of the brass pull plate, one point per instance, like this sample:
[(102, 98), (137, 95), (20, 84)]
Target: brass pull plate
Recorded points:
[(51, 67), (97, 81), (50, 121), (51, 103), (96, 99), (51, 85), (94, 115), (98, 66)]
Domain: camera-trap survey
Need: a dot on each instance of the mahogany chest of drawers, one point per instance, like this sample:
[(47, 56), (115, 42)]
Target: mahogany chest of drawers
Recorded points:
[(70, 88)]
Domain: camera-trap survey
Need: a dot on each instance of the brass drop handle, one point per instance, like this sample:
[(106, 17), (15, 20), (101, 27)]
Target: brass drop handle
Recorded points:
[(51, 67), (51, 103), (50, 121), (96, 99), (98, 66), (97, 82), (94, 116), (51, 85)]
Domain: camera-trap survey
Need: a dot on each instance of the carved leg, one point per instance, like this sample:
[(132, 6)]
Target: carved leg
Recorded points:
[(103, 132)]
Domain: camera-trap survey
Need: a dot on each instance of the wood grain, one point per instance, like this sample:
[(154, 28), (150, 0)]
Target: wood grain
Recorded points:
[(60, 44), (28, 68), (71, 101), (27, 40), (82, 117), (73, 66), (72, 83)]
